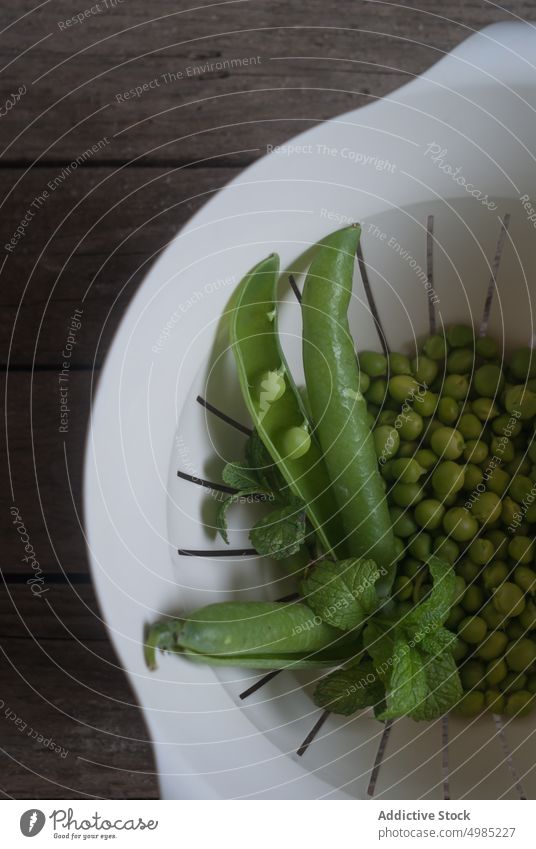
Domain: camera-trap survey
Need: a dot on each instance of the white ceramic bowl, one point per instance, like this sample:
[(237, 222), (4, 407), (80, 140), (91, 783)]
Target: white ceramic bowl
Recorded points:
[(387, 166)]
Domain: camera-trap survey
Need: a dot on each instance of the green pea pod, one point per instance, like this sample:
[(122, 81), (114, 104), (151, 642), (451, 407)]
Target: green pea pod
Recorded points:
[(275, 405), (338, 407), (257, 635)]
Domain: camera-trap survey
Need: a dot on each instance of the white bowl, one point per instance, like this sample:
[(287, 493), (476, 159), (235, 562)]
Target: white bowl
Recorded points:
[(385, 165)]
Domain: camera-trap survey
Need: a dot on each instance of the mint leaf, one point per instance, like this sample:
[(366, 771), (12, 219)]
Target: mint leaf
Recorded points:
[(379, 643), (438, 641), (261, 464), (347, 690), (343, 593), (280, 533), (443, 686), (223, 509), (407, 689), (431, 613), (241, 476)]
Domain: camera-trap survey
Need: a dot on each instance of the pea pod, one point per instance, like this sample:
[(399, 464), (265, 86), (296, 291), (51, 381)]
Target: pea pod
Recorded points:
[(275, 405), (257, 635), (338, 407)]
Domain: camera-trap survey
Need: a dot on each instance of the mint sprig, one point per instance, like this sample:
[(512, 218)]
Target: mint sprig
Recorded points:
[(342, 594)]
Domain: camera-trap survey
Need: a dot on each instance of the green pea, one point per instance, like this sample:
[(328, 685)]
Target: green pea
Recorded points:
[(402, 522), (473, 477), (386, 441), (270, 387), (447, 478), (407, 449), (508, 599), (473, 599), (403, 387), (521, 487), (519, 704), (429, 514), (513, 682), (502, 447), (520, 401), (459, 590), (402, 588), (373, 363), (488, 380), (472, 675), (411, 425), (475, 451), (521, 655), (520, 466), (492, 617), (495, 574), (447, 443), (399, 364), (494, 701), (447, 411), (496, 671), (435, 347), (460, 336), (470, 426), (468, 570), (406, 494), (523, 363), (447, 549), (515, 630), (487, 508), (500, 541), (521, 549), (506, 426), (424, 369), (528, 617), (295, 442), (531, 449), (498, 481), (530, 515), (456, 614), (511, 511), (455, 386), (460, 524), (411, 567), (377, 391), (473, 629), (399, 549), (420, 546), (459, 650), (484, 409), (364, 382), (481, 551), (471, 704), (531, 684), (460, 361), (493, 646), (406, 470), (386, 417), (426, 458), (486, 347), (425, 403)]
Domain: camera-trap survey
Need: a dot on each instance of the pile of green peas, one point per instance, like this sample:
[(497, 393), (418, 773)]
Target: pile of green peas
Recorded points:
[(454, 432)]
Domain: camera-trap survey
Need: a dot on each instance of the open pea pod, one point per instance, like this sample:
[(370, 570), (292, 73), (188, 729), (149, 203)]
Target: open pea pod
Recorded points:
[(256, 635), (274, 403), (337, 405)]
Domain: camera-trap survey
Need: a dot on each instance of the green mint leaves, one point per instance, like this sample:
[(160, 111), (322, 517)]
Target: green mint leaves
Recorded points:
[(282, 532), (342, 594), (279, 534), (410, 670)]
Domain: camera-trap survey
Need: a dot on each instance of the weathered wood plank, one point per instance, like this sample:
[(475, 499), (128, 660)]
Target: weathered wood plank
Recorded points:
[(77, 699), (87, 247), (46, 467), (59, 612), (292, 65)]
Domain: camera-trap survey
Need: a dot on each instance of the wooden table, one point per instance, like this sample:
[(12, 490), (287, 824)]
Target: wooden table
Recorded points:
[(123, 122)]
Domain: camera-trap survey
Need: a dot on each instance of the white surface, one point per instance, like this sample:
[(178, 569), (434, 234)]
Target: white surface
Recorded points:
[(478, 103)]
